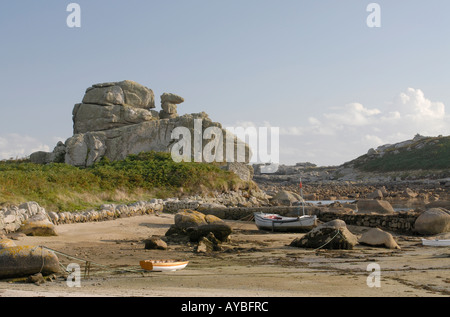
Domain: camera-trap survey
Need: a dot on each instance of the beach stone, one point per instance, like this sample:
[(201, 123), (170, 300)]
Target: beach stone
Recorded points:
[(54, 217), (6, 243), (196, 225), (220, 230), (409, 193), (208, 244), (27, 260), (37, 279), (378, 237), (204, 246), (377, 194), (38, 225), (155, 243), (189, 218), (330, 235), (433, 221), (374, 206)]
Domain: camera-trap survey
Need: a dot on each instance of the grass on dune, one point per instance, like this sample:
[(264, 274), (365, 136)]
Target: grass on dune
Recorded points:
[(58, 186)]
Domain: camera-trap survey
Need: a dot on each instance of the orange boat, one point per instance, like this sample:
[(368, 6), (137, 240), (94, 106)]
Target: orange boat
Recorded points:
[(163, 265)]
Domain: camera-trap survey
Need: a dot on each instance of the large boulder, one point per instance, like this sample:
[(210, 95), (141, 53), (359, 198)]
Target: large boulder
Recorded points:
[(378, 237), (90, 117), (433, 221), (285, 198), (409, 193), (367, 206), (38, 225), (196, 225), (155, 243), (125, 93), (21, 261), (330, 235), (189, 218), (6, 243), (171, 98)]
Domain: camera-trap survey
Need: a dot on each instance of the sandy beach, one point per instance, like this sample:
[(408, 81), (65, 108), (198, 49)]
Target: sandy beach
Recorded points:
[(253, 264)]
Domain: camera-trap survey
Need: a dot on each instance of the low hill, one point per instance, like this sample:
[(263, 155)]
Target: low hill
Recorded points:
[(420, 153)]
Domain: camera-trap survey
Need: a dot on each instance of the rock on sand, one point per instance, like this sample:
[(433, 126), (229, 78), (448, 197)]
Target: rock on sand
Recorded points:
[(330, 235), (27, 260), (378, 237)]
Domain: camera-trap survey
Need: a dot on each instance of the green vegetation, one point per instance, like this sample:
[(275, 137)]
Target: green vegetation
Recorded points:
[(60, 186), (427, 154)]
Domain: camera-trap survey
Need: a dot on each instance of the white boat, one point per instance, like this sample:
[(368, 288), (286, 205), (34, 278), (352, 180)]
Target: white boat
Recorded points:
[(275, 222), (163, 265), (436, 243)]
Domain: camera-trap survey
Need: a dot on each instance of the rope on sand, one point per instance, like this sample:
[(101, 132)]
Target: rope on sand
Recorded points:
[(88, 263)]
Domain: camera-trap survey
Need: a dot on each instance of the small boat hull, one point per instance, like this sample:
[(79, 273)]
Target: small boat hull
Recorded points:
[(275, 222), (436, 243), (163, 265)]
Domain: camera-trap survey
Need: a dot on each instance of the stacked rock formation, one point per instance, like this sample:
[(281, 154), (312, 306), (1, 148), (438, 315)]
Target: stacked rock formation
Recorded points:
[(111, 105), (169, 104), (116, 119)]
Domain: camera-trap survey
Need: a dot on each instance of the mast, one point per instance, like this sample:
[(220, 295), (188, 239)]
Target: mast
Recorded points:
[(301, 195)]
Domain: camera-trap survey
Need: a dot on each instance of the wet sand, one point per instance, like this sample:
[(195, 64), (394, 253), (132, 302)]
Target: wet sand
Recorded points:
[(253, 264)]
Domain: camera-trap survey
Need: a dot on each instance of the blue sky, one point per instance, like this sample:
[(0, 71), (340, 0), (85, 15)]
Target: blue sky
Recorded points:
[(334, 86)]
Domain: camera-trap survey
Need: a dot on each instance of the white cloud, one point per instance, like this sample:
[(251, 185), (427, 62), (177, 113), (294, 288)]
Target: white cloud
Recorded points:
[(13, 145), (353, 114), (418, 108)]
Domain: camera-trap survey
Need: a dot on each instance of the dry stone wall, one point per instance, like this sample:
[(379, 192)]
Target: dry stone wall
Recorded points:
[(398, 222), (11, 218)]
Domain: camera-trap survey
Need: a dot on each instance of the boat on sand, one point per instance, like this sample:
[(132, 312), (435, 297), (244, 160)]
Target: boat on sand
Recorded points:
[(275, 222), (163, 265)]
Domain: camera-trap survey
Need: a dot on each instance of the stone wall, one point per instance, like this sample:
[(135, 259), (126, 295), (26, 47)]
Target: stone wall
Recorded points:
[(399, 222), (12, 217)]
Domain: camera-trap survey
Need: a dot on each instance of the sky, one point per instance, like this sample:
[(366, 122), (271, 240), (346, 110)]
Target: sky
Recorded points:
[(334, 86)]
